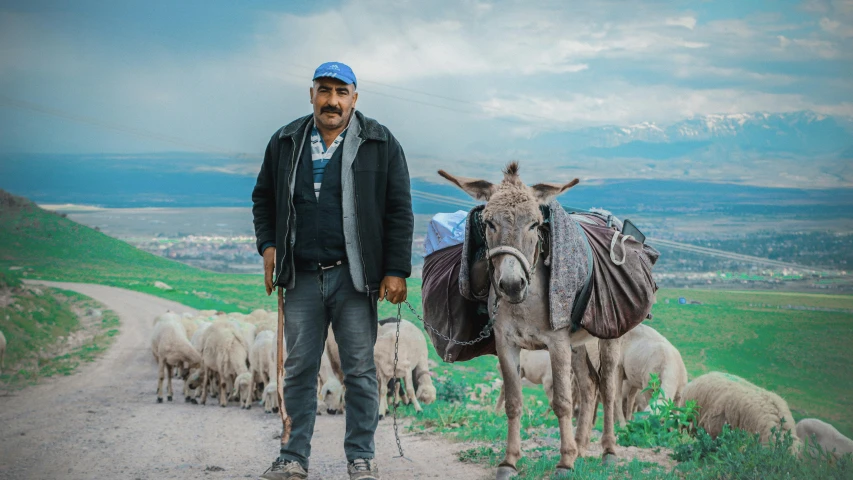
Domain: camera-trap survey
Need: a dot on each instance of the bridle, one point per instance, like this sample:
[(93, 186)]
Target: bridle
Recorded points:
[(528, 269)]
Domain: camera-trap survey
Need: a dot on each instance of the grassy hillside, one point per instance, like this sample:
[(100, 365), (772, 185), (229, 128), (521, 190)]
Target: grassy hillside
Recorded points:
[(40, 244), (798, 345), (49, 331)]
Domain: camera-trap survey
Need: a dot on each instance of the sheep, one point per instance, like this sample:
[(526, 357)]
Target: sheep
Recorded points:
[(412, 351), (243, 390), (225, 352), (723, 398), (644, 352), (246, 329), (193, 381), (825, 435), (169, 315), (262, 360), (330, 390), (270, 398), (2, 351), (535, 366), (170, 348)]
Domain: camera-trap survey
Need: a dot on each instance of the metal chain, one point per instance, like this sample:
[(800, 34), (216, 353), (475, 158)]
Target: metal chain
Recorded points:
[(485, 333), (394, 396)]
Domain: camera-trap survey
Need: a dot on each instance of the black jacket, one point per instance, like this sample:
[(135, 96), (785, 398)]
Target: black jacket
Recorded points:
[(381, 234)]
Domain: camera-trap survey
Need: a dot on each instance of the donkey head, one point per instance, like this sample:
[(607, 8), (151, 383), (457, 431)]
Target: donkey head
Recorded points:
[(512, 217)]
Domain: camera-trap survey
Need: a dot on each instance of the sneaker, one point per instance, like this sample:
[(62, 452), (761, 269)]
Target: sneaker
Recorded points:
[(285, 470), (363, 469)]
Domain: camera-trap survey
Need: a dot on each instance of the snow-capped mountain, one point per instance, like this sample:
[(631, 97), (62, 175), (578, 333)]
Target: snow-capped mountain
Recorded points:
[(803, 131)]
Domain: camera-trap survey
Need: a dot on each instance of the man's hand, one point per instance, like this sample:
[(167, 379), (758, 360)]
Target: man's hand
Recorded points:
[(393, 289), (269, 268)]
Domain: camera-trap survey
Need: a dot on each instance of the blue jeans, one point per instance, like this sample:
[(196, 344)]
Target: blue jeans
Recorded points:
[(320, 298)]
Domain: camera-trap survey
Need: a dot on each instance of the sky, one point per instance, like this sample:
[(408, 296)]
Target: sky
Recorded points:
[(222, 77)]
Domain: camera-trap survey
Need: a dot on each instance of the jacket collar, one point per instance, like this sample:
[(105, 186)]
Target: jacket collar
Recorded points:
[(370, 128)]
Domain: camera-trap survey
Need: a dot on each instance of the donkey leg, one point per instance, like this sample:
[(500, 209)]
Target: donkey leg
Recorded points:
[(587, 392), (561, 402), (609, 355), (509, 356)]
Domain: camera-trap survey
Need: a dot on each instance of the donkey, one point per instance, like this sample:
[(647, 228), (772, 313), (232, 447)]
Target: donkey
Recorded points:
[(519, 281)]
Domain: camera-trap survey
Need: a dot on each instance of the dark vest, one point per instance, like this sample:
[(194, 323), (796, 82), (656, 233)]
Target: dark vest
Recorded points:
[(319, 222)]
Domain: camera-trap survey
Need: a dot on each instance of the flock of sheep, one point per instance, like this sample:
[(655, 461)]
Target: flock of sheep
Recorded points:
[(232, 356), (722, 398)]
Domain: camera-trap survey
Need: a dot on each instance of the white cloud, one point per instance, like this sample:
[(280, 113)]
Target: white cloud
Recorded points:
[(686, 22), (639, 104)]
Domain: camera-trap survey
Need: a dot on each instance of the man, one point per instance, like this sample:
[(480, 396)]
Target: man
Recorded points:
[(333, 221)]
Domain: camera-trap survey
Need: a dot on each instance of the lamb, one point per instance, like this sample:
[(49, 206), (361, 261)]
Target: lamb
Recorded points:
[(270, 399), (825, 435), (246, 329), (535, 367), (262, 360), (330, 391), (225, 352), (644, 352), (171, 349), (723, 398), (243, 390), (196, 375), (412, 351), (169, 315), (2, 351)]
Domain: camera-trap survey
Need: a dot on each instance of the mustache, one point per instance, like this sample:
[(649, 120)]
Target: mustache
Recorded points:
[(328, 109)]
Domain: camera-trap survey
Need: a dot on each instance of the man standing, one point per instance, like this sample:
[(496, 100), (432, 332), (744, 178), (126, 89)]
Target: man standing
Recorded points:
[(333, 221)]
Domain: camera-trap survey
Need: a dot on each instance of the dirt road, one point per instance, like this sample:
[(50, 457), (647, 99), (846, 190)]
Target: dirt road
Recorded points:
[(104, 423)]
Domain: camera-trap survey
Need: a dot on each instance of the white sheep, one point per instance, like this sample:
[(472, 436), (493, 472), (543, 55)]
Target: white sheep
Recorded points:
[(412, 351), (330, 391), (226, 353), (168, 315), (535, 367), (243, 390), (171, 349), (245, 328), (2, 351), (825, 435), (270, 397), (644, 352), (262, 360), (196, 375), (727, 399)]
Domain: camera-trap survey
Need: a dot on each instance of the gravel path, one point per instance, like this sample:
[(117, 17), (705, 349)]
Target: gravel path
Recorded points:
[(103, 422)]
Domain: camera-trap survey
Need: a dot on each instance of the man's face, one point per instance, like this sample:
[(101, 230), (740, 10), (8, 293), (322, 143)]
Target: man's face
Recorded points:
[(333, 102)]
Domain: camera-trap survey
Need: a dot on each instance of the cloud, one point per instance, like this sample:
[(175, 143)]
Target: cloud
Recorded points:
[(686, 22), (639, 104)]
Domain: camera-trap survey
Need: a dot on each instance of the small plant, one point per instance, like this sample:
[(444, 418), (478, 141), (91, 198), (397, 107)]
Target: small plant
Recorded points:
[(450, 390), (736, 453), (666, 425)]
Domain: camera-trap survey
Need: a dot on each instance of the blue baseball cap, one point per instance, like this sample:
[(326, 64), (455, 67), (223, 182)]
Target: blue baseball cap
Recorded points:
[(336, 70)]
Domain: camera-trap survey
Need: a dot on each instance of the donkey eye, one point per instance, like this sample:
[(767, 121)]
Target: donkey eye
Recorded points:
[(491, 225), (534, 226)]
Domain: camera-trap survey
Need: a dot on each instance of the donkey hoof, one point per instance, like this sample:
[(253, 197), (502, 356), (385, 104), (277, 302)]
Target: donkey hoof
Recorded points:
[(505, 472), (274, 409), (169, 398), (194, 401), (248, 407), (608, 459), (187, 399), (159, 400)]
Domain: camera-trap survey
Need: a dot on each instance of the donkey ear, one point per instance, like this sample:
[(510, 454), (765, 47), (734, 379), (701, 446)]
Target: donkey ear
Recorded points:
[(545, 192), (479, 189)]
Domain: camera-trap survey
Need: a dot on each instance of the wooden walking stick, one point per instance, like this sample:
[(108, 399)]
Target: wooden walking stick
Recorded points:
[(279, 370)]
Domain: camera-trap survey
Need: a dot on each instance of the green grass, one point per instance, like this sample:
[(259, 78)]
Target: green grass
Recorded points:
[(34, 322)]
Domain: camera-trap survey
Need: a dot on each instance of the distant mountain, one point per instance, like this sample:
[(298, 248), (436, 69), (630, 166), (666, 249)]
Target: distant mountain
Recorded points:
[(803, 131), (793, 149)]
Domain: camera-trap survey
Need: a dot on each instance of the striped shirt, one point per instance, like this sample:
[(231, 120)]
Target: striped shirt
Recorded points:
[(320, 155)]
